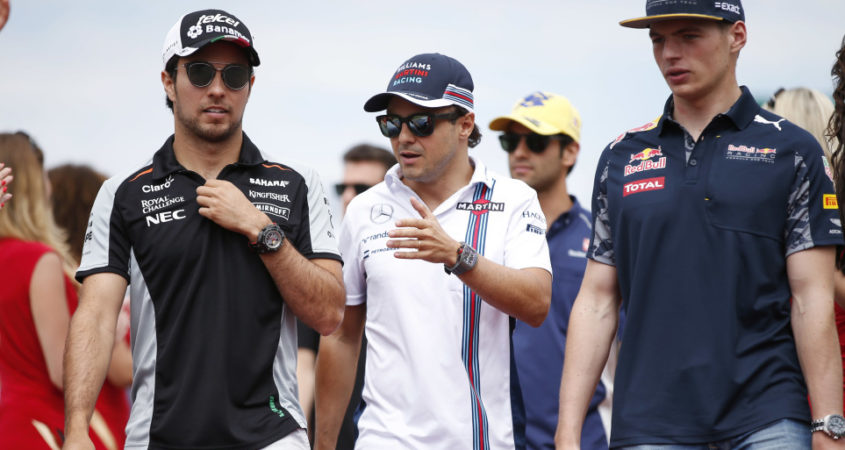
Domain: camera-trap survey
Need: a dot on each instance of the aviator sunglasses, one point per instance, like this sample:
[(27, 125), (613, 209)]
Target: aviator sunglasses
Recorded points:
[(537, 143), (420, 124), (359, 188), (201, 73)]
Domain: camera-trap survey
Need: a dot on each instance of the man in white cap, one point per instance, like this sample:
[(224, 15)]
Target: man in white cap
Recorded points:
[(223, 245), (438, 259)]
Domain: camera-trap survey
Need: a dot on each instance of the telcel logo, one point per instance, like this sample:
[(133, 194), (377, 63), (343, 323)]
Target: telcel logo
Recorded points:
[(166, 216)]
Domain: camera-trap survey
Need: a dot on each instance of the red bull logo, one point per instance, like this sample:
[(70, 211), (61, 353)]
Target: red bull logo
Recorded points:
[(646, 154), (649, 126), (767, 151)]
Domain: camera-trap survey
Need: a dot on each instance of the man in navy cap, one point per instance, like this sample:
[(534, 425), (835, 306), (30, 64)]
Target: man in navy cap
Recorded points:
[(437, 260), (714, 228), (223, 245)]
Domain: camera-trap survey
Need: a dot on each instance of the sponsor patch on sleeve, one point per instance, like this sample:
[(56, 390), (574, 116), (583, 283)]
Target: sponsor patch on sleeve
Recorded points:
[(830, 201)]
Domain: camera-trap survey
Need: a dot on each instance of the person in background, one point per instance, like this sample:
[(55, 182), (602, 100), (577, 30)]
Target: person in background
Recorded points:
[(74, 188), (542, 140), (4, 12), (37, 298), (5, 179), (715, 228), (836, 134), (364, 166)]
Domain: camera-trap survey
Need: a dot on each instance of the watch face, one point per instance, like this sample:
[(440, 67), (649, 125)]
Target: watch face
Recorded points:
[(273, 239), (836, 425)]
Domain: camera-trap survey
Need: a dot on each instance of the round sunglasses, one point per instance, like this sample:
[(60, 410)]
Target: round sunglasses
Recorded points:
[(536, 143), (201, 74), (420, 124), (340, 188)]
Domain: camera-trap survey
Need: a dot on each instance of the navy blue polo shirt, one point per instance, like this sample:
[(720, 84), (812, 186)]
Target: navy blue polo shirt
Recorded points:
[(538, 352), (699, 232)]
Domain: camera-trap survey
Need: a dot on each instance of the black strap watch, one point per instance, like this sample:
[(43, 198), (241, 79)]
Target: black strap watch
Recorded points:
[(270, 239), (467, 259), (833, 425)]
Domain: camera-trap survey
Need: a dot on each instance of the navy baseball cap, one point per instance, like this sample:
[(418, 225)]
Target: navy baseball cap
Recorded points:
[(195, 30), (430, 80), (660, 10)]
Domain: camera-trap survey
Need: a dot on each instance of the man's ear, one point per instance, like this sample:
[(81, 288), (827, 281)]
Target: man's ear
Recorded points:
[(467, 123), (570, 154), (169, 85)]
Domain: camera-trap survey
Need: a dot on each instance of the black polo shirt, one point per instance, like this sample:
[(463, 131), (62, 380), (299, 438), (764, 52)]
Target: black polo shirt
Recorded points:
[(213, 342), (699, 232)]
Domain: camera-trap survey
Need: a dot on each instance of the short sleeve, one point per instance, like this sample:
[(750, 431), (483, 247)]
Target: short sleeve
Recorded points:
[(106, 246), (526, 244), (601, 247), (812, 208), (321, 222)]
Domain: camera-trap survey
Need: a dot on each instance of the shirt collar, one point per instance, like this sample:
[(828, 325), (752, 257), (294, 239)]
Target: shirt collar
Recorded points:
[(741, 113), (165, 163)]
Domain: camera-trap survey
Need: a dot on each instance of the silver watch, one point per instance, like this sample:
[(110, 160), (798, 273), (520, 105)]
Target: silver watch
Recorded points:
[(467, 259), (832, 424)]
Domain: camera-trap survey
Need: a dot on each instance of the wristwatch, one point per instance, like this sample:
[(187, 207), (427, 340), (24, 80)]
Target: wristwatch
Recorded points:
[(270, 239), (832, 424), (467, 259)]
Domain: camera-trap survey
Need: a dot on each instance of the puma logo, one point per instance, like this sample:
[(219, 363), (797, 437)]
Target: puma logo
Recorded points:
[(760, 119)]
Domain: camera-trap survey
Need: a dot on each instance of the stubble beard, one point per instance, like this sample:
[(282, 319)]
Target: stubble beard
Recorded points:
[(207, 132)]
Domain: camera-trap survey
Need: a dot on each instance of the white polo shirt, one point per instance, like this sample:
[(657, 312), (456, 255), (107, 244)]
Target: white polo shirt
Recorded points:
[(438, 356)]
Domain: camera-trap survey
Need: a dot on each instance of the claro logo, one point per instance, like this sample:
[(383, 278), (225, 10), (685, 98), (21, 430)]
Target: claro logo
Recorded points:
[(147, 188), (166, 216)]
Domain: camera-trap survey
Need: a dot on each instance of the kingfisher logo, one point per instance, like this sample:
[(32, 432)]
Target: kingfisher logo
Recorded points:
[(481, 206), (646, 185)]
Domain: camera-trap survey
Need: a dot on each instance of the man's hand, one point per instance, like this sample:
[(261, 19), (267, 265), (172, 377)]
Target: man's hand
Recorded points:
[(5, 178), (426, 236), (224, 204)]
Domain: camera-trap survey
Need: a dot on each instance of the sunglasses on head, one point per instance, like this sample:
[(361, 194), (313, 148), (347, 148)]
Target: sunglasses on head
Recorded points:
[(201, 74), (537, 143), (420, 124), (359, 187)]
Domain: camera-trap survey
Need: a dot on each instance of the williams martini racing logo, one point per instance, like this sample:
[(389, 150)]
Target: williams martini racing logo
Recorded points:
[(748, 153), (480, 206), (645, 161)]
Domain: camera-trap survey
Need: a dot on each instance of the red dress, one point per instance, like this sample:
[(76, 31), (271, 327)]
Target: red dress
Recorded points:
[(31, 408)]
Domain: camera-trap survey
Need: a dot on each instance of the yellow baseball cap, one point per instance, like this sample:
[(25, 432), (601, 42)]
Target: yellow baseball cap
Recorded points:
[(543, 113)]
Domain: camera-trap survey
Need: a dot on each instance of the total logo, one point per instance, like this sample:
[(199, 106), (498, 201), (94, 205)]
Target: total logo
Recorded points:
[(645, 185), (147, 188)]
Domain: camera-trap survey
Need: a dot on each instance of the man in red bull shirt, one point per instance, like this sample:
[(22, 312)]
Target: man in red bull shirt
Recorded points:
[(720, 246)]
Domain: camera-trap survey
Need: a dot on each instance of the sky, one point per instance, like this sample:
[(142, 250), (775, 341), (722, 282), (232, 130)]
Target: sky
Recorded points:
[(83, 78)]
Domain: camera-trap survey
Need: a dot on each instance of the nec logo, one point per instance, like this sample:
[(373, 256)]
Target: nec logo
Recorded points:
[(725, 6), (166, 216)]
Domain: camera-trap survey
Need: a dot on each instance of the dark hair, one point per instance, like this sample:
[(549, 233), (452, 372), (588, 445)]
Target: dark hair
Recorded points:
[(370, 153), (74, 189), (836, 131), (475, 136)]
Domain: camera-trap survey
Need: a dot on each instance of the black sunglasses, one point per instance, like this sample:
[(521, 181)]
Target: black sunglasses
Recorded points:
[(201, 74), (537, 143), (359, 187), (420, 124)]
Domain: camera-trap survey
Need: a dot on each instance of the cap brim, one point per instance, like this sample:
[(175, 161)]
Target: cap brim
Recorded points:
[(250, 50), (645, 22), (379, 102), (536, 126)]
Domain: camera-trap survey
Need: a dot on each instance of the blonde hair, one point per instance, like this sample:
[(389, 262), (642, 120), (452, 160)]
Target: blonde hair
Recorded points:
[(29, 216), (807, 108)]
